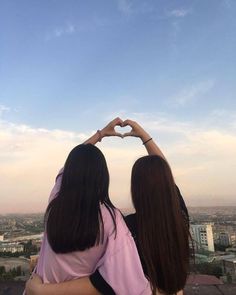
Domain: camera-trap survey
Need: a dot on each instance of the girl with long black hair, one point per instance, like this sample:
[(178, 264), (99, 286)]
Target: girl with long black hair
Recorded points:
[(83, 230)]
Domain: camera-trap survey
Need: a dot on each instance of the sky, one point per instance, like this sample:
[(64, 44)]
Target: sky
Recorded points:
[(69, 67)]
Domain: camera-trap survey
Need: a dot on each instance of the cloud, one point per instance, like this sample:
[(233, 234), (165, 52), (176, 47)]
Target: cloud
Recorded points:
[(192, 92), (176, 17), (68, 30), (202, 157), (179, 13), (130, 7), (30, 158), (125, 6), (58, 32), (227, 3), (3, 109)]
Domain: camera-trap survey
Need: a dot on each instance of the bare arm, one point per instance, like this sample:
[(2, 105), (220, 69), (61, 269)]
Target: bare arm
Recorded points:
[(81, 286), (138, 131), (108, 130)]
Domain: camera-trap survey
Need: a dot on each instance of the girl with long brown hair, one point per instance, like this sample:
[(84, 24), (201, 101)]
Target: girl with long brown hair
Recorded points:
[(159, 227)]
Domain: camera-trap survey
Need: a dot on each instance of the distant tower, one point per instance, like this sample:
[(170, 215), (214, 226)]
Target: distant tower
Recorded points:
[(33, 262), (1, 236), (203, 236), (224, 239)]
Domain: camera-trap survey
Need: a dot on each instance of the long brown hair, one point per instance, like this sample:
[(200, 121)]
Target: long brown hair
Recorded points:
[(163, 233)]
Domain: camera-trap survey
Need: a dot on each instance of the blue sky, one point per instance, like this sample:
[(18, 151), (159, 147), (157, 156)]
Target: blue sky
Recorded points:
[(73, 65)]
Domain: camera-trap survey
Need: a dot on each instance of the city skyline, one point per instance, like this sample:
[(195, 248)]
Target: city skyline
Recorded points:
[(68, 68)]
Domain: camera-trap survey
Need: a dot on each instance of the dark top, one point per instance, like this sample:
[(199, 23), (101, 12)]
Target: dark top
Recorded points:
[(97, 280)]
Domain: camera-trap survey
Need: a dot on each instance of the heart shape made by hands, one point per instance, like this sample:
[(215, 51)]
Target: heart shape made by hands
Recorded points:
[(122, 130)]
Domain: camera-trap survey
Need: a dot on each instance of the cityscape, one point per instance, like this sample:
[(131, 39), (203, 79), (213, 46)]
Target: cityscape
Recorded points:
[(213, 231)]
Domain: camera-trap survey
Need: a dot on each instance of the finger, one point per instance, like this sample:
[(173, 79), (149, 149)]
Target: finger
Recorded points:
[(117, 121), (127, 123), (114, 133), (128, 134), (118, 134)]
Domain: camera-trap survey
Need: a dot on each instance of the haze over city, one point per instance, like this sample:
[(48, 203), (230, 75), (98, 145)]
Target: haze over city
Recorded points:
[(69, 67)]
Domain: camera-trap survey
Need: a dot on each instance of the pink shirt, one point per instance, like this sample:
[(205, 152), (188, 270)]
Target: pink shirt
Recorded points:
[(117, 258)]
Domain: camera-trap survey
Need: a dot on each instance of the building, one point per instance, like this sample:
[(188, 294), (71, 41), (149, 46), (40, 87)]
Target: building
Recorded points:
[(37, 243), (1, 236), (203, 236), (232, 239), (11, 247), (33, 262), (231, 250), (224, 239), (229, 267)]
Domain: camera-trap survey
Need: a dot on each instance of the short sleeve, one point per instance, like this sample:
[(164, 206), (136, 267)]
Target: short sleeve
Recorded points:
[(57, 185)]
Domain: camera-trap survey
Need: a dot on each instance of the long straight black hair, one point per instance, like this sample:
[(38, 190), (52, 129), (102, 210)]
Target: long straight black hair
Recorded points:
[(162, 229), (73, 219)]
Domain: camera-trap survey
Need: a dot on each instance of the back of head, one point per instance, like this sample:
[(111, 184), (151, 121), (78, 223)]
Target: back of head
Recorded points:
[(162, 230), (73, 217)]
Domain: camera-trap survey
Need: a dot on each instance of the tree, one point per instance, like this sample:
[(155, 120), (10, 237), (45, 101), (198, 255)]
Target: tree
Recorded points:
[(207, 268), (18, 270), (229, 278), (2, 270)]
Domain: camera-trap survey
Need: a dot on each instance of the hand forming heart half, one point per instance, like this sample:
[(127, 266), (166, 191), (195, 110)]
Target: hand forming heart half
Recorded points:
[(136, 129)]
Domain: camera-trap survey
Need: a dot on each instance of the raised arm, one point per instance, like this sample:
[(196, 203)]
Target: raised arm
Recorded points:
[(108, 130), (148, 142)]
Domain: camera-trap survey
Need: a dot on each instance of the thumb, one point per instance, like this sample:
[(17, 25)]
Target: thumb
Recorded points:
[(118, 134), (131, 133)]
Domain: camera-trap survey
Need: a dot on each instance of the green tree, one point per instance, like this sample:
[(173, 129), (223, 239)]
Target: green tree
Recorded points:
[(207, 268), (229, 278), (2, 270), (18, 270)]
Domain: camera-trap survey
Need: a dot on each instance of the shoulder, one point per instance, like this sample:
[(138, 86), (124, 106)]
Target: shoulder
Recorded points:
[(57, 185), (130, 219), (131, 223), (112, 218)]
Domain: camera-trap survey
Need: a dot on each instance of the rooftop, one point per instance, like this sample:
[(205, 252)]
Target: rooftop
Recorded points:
[(203, 280), (229, 289), (230, 259), (196, 285)]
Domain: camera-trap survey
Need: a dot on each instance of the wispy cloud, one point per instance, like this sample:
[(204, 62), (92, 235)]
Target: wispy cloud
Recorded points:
[(192, 93), (3, 109), (125, 6), (227, 3), (131, 7), (176, 18), (179, 13), (68, 30), (223, 118), (60, 31)]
